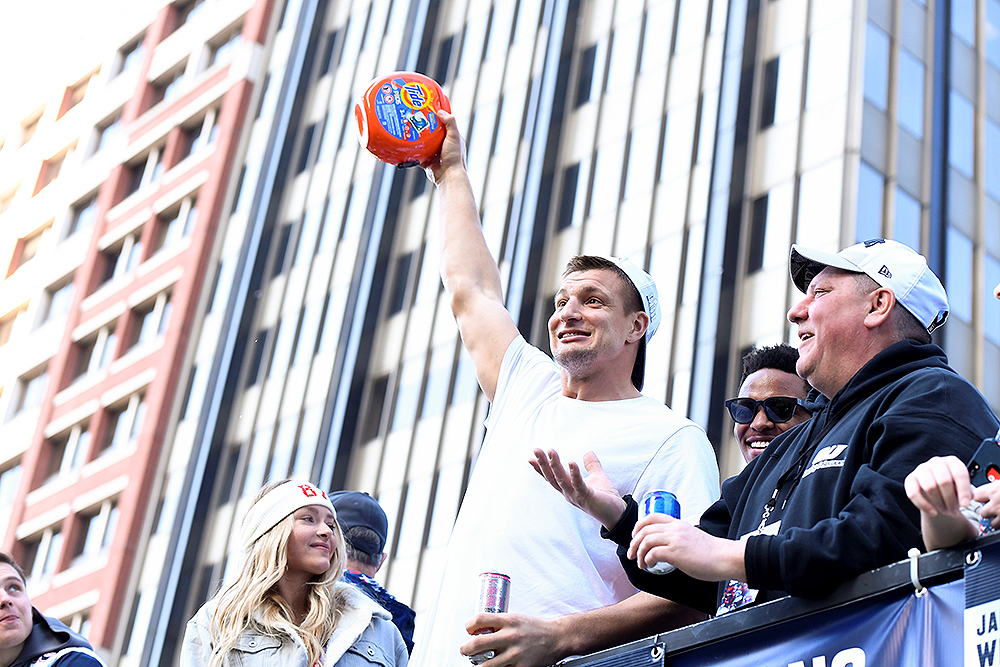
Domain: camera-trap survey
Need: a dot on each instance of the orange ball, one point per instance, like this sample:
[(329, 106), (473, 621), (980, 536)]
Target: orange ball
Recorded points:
[(398, 121)]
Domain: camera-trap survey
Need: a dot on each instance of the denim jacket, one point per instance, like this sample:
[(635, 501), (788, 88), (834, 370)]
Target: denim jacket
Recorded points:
[(364, 637)]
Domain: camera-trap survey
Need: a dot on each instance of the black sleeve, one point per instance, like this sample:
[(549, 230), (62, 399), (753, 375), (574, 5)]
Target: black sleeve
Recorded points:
[(676, 586)]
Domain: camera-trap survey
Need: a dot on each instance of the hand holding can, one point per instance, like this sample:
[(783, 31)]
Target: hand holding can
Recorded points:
[(494, 594), (659, 502)]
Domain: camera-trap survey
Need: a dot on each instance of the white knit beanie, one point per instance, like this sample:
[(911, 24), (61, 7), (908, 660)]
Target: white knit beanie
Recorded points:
[(278, 503)]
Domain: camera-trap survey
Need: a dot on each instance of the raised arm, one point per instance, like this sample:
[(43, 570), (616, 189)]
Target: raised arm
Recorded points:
[(468, 270)]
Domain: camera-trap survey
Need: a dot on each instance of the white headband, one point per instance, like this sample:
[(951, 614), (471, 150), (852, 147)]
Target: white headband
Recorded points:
[(278, 503)]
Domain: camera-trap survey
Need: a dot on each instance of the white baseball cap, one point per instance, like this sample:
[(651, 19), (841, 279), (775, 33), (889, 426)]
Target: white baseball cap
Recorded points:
[(889, 263), (644, 284), (647, 291)]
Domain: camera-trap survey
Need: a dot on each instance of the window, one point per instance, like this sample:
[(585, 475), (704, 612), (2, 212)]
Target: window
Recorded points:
[(331, 55), (143, 171), (400, 282), (107, 130), (27, 248), (993, 32), (769, 93), (871, 190), (7, 198), (41, 554), (69, 450), (203, 132), (9, 323), (51, 168), (221, 49), (963, 20), (167, 87), (10, 478), (129, 56), (151, 320), (257, 357), (186, 11), (176, 224), (95, 352), (305, 148), (122, 258), (961, 116), (758, 230), (96, 530), (911, 93), (83, 215), (571, 178), (907, 227), (29, 127), (958, 259), (877, 67), (80, 623), (281, 249), (58, 298), (31, 390), (443, 61), (124, 424), (74, 95), (586, 80)]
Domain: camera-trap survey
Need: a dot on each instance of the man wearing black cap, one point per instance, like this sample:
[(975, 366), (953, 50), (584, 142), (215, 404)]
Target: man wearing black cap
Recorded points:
[(567, 592), (365, 527), (825, 501)]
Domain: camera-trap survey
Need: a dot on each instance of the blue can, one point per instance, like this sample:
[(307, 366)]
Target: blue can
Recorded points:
[(659, 502)]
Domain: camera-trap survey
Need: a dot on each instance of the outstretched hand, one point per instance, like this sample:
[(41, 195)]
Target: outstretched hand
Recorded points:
[(595, 494)]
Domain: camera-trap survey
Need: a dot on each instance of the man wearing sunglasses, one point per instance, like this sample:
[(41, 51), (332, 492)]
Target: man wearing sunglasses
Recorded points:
[(770, 398), (824, 502)]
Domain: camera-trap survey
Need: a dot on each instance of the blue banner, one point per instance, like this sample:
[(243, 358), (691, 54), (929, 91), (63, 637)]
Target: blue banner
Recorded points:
[(912, 631)]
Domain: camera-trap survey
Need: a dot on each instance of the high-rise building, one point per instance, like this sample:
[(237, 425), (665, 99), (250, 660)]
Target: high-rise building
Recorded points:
[(112, 195), (699, 137)]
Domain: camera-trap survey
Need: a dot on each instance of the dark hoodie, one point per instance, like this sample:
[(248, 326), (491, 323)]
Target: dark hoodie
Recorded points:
[(837, 482), (49, 635)]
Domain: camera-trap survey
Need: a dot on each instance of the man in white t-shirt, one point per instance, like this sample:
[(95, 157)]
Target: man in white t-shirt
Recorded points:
[(568, 594)]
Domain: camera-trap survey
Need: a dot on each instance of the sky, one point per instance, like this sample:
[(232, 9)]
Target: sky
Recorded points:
[(46, 44)]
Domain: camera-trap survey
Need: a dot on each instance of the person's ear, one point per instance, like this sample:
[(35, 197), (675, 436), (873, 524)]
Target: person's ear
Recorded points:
[(881, 303), (381, 560), (640, 323)]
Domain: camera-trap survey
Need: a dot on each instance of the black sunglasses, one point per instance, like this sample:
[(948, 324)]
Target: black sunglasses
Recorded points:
[(778, 409)]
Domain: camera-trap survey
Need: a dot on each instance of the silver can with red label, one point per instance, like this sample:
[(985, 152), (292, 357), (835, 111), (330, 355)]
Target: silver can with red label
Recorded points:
[(494, 594)]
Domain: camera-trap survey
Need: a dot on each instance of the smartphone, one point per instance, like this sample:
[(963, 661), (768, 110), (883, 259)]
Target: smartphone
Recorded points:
[(984, 466)]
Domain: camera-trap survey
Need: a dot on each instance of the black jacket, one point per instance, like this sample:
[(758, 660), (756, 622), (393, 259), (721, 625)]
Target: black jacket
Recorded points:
[(402, 616), (49, 635), (839, 481)]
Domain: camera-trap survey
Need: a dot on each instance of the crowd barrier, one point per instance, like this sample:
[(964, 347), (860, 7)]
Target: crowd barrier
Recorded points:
[(936, 609)]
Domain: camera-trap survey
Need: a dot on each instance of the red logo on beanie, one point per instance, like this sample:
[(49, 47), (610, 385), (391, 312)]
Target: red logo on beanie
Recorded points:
[(311, 492)]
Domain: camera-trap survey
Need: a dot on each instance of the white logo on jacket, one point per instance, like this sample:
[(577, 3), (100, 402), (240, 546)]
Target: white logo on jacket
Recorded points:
[(826, 457)]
